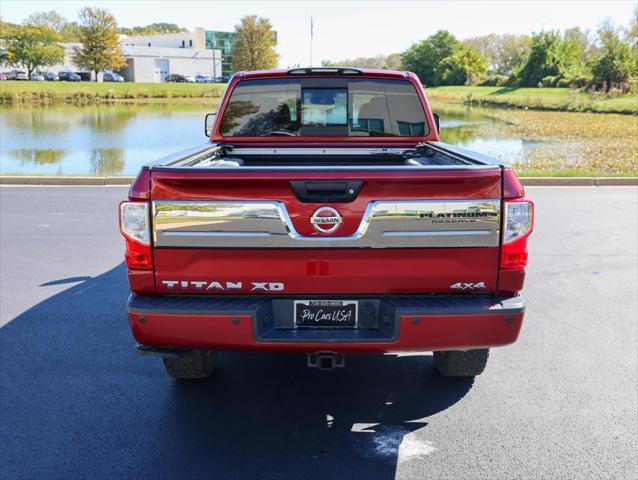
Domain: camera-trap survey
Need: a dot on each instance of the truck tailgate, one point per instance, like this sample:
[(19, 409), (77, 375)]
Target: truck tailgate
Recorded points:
[(247, 231)]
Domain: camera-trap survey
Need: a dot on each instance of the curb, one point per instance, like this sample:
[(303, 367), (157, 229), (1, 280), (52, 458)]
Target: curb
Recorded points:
[(527, 181)]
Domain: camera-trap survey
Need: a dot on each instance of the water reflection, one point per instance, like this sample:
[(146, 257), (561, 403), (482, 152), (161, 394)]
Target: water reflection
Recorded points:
[(107, 121), (107, 161), (116, 139), (38, 122), (28, 156), (113, 139), (460, 124)]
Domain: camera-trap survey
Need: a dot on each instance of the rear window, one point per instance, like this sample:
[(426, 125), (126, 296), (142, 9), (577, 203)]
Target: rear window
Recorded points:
[(324, 107)]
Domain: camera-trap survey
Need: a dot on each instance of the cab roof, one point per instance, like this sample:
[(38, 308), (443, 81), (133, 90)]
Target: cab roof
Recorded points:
[(327, 71)]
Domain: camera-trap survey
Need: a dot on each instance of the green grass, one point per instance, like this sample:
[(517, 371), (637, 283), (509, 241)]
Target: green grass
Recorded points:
[(85, 92), (559, 99)]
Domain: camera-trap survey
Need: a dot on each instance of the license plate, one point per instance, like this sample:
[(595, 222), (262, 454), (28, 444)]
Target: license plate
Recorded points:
[(326, 313)]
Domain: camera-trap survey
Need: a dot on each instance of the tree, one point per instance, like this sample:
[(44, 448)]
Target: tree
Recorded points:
[(393, 62), (72, 32), (514, 53), (254, 47), (490, 47), (152, 29), (615, 62), (466, 66), (505, 53), (632, 33), (51, 19), (580, 37), (69, 31), (32, 46), (359, 62), (100, 40), (6, 32), (424, 58), (385, 62), (551, 56)]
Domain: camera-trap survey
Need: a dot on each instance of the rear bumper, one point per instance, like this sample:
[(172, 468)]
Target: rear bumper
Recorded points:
[(401, 323)]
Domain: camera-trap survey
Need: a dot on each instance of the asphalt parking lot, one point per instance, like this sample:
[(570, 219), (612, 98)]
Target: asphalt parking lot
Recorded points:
[(77, 402)]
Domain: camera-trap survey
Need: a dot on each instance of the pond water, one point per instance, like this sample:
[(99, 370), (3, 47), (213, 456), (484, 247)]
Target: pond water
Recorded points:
[(113, 139), (116, 139)]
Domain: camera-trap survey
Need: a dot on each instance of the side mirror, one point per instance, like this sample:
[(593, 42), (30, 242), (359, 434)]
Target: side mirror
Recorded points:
[(437, 120), (208, 123)]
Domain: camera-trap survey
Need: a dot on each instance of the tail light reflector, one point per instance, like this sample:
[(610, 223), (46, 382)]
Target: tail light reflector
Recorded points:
[(135, 226), (518, 224)]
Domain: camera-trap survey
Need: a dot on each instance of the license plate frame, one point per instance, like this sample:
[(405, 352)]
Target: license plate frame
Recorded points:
[(326, 307)]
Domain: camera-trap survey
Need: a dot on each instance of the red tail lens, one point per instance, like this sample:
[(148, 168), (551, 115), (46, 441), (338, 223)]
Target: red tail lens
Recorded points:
[(514, 255), (138, 256), (518, 224), (135, 226)]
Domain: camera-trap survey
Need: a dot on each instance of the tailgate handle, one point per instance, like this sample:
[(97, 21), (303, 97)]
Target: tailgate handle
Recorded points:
[(326, 192)]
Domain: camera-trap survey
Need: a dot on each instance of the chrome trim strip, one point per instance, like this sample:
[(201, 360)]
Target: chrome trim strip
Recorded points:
[(183, 233), (267, 224), (443, 232)]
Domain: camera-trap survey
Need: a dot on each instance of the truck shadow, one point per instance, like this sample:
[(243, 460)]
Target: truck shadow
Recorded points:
[(77, 402)]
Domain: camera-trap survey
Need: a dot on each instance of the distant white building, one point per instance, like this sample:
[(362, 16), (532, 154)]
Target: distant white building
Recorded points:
[(154, 64), (151, 58), (195, 39), (67, 64)]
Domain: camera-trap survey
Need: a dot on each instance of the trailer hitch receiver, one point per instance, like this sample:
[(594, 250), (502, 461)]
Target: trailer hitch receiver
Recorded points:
[(326, 360)]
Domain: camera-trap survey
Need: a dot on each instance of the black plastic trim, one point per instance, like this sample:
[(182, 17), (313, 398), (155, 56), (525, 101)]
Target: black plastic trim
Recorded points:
[(318, 191)]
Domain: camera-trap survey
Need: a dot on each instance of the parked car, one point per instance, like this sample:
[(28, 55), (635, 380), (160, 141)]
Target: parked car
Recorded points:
[(203, 79), (112, 77), (175, 78), (37, 77), (189, 79), (18, 75), (69, 77), (4, 76), (50, 76), (323, 231)]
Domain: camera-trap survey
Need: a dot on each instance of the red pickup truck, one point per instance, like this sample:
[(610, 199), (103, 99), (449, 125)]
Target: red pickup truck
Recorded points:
[(325, 216)]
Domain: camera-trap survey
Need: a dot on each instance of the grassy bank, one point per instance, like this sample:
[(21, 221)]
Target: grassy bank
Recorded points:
[(12, 92), (557, 99), (576, 173), (546, 143)]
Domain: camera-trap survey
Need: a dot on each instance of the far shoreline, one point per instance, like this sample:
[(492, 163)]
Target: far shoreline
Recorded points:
[(85, 93)]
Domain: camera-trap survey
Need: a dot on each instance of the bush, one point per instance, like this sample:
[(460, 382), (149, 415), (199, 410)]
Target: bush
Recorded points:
[(495, 80), (579, 81), (614, 93), (549, 81)]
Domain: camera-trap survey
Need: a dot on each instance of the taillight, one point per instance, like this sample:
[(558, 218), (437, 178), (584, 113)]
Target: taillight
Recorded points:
[(135, 226), (518, 223)]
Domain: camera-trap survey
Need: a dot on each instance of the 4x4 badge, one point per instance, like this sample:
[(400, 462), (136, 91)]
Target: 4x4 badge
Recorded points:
[(467, 286)]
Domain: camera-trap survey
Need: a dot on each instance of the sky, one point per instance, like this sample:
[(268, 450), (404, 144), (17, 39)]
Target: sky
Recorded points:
[(348, 29)]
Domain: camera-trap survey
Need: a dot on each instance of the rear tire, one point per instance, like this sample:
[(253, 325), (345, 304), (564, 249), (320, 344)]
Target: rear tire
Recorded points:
[(456, 363), (192, 365)]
